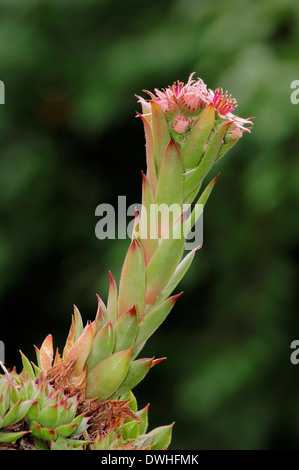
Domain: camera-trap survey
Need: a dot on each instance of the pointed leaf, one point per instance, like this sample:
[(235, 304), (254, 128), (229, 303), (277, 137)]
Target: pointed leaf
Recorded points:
[(27, 366), (169, 188), (101, 315), (150, 161), (148, 222), (160, 133), (66, 430), (130, 430), (194, 178), (137, 371), (101, 305), (47, 434), (12, 436), (37, 352), (37, 370), (190, 198), (192, 150), (11, 416), (78, 323), (225, 148), (33, 411), (164, 262), (81, 349), (132, 281), (125, 330), (198, 208), (102, 346), (70, 340), (16, 412), (143, 416), (179, 273), (132, 402), (107, 376), (159, 438), (57, 357), (82, 424), (46, 353), (112, 303), (48, 416), (154, 319)]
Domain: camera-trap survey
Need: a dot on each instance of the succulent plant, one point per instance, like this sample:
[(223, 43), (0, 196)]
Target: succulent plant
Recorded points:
[(82, 397), (13, 409)]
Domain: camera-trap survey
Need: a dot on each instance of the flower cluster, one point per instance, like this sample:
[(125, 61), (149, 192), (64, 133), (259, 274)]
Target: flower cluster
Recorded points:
[(183, 105)]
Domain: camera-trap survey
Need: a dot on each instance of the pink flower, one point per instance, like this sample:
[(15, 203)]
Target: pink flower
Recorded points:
[(183, 104), (186, 99), (225, 104)]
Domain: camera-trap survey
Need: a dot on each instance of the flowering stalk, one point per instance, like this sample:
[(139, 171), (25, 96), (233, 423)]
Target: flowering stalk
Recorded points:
[(188, 129)]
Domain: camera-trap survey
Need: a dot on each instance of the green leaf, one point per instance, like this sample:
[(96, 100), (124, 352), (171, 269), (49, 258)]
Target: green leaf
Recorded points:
[(158, 439), (66, 430), (148, 223), (160, 133), (36, 369), (154, 319), (195, 178), (78, 322), (190, 198), (101, 315), (130, 430), (125, 330), (192, 150), (132, 281), (12, 436), (143, 415), (179, 273), (107, 376), (16, 413), (150, 160), (102, 346), (27, 366), (225, 148), (202, 200), (132, 402), (48, 416), (82, 424), (164, 262), (169, 188), (112, 303), (137, 371)]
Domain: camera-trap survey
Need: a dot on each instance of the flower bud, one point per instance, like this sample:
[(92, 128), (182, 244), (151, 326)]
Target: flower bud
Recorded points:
[(180, 124), (190, 103), (233, 133)]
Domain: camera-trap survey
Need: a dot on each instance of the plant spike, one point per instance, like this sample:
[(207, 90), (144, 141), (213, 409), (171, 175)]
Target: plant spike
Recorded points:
[(83, 399)]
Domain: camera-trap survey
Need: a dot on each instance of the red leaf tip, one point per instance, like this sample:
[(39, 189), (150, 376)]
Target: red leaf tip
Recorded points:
[(112, 280), (178, 295), (216, 177)]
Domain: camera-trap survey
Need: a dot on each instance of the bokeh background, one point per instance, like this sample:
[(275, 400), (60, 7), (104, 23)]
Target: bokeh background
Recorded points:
[(69, 141)]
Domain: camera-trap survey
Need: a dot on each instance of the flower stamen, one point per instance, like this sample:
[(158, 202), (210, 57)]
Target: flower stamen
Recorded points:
[(223, 102)]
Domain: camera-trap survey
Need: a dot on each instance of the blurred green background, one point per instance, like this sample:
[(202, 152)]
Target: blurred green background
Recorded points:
[(69, 141)]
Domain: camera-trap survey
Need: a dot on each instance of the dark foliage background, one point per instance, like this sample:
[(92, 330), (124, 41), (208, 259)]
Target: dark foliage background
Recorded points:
[(69, 141)]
